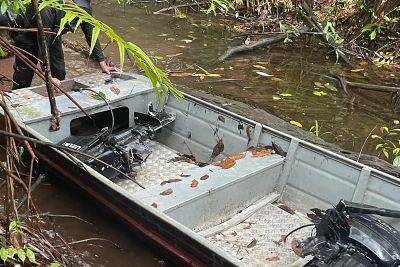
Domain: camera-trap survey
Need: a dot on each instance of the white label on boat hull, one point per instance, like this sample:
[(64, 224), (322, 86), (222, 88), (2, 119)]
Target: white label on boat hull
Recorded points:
[(73, 146)]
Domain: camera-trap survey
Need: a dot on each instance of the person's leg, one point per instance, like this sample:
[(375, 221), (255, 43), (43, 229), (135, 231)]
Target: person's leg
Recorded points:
[(57, 63), (23, 75)]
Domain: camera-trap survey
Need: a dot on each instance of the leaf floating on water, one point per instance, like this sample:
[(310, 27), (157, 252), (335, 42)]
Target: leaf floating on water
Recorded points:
[(259, 67), (174, 55), (238, 156), (181, 46), (272, 258), (276, 79), (115, 90), (276, 97), (330, 87), (252, 243), (264, 74), (319, 93), (163, 34), (285, 94), (166, 192), (296, 123), (186, 41), (179, 74), (357, 70), (318, 84), (204, 177), (154, 205), (228, 163), (194, 183)]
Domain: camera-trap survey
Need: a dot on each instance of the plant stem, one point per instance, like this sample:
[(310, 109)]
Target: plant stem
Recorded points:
[(55, 120)]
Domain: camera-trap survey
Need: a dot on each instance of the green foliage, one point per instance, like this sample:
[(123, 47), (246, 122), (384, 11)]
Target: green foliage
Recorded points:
[(161, 83), (54, 264), (289, 29), (17, 6), (225, 5), (30, 255), (388, 143), (315, 129), (331, 34), (100, 96), (21, 254), (373, 29)]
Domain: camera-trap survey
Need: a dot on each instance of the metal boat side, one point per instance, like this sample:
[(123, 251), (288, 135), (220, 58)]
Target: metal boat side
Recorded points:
[(308, 176)]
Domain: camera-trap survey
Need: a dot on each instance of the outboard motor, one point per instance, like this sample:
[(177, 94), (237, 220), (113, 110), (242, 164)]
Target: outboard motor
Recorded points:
[(124, 150), (348, 235)]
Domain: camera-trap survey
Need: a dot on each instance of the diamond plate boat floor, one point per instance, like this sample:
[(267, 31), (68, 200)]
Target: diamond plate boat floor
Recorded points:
[(266, 227), (158, 167)]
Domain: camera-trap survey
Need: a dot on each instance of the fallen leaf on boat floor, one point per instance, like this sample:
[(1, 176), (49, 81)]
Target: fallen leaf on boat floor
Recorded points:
[(166, 192), (228, 163), (247, 226), (218, 149), (15, 105), (261, 153), (154, 205), (238, 156), (234, 233), (252, 243), (184, 158), (204, 177), (26, 97), (286, 208), (194, 183), (170, 181), (272, 258), (296, 123), (115, 90), (221, 118), (184, 175)]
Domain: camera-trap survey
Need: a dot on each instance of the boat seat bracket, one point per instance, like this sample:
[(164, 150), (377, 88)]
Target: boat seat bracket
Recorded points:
[(287, 167), (362, 185)]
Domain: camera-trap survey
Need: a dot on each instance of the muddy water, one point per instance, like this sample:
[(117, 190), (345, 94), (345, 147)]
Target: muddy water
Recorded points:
[(192, 45)]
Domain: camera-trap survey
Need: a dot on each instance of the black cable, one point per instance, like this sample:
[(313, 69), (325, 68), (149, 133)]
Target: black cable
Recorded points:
[(298, 228)]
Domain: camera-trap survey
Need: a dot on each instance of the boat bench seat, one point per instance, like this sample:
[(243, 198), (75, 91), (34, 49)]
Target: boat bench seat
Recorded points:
[(215, 199)]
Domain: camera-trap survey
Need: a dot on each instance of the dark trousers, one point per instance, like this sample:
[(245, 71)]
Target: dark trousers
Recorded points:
[(23, 75)]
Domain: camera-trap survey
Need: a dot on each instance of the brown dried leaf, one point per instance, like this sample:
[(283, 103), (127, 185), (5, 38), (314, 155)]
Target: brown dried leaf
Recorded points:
[(218, 149), (247, 226), (286, 208), (252, 243), (221, 118), (26, 97), (154, 205), (170, 181), (228, 163), (115, 90), (238, 156), (166, 192), (194, 183), (272, 258), (204, 177), (261, 153), (234, 233)]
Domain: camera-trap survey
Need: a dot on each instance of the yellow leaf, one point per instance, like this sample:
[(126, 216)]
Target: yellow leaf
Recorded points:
[(213, 75), (259, 67), (318, 84), (296, 123)]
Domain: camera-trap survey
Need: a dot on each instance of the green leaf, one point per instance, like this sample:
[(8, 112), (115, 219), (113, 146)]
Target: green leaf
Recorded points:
[(21, 150), (330, 87), (276, 97), (21, 254), (385, 153), (319, 93), (54, 264), (2, 53), (3, 7), (100, 96), (12, 226), (11, 252), (121, 49), (3, 254), (396, 161), (372, 35), (95, 35), (30, 255), (378, 146), (285, 94)]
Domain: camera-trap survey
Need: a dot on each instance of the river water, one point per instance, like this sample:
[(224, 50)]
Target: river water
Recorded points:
[(192, 45)]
